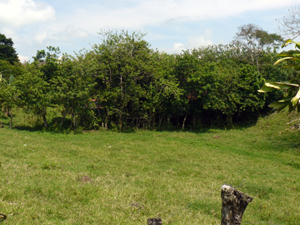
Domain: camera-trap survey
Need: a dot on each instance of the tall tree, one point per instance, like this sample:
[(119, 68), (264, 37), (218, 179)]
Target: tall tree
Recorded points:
[(7, 51), (71, 87), (253, 40), (8, 95), (123, 70), (192, 71), (34, 92), (290, 25), (48, 61), (8, 91), (35, 83)]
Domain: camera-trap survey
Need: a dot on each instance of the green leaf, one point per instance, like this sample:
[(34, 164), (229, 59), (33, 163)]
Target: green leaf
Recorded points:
[(271, 86), (11, 79), (280, 60), (279, 105), (291, 41), (295, 99), (285, 55), (294, 66), (265, 89), (286, 100)]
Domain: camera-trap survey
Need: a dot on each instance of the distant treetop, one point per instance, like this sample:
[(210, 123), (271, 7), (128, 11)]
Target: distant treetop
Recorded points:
[(7, 51)]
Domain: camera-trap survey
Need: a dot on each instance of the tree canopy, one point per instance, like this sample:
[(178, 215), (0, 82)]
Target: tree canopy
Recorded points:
[(7, 51), (121, 83)]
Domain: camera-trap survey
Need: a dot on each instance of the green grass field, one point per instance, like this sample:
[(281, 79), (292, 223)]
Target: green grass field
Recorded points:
[(134, 176)]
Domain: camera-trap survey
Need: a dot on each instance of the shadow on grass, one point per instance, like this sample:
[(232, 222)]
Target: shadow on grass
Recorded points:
[(53, 130), (53, 127), (67, 129)]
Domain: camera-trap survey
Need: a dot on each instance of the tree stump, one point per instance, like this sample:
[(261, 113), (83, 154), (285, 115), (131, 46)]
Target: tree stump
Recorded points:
[(2, 217), (154, 221), (234, 204)]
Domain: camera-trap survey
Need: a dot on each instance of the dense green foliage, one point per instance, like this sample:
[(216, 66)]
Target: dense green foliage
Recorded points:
[(121, 83), (7, 51)]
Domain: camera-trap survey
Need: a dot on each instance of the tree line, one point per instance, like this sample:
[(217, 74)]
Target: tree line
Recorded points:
[(122, 83)]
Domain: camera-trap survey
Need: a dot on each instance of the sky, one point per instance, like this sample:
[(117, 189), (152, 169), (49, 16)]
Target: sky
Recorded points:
[(170, 25)]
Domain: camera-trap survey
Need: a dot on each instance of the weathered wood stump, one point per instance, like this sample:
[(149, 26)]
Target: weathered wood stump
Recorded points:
[(234, 204), (154, 221), (2, 217)]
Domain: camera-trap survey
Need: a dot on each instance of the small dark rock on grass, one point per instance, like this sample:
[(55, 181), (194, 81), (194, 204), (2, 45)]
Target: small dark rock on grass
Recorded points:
[(86, 179)]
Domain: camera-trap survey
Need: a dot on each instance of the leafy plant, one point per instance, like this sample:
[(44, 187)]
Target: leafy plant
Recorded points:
[(292, 59)]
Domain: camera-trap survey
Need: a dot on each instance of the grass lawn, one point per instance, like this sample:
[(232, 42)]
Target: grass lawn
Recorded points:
[(134, 176)]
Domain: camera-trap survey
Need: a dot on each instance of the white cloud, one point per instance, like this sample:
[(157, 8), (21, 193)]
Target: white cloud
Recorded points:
[(75, 23), (23, 58), (155, 12), (41, 37), (208, 33), (192, 42), (9, 33), (177, 48), (195, 42), (20, 12), (69, 33)]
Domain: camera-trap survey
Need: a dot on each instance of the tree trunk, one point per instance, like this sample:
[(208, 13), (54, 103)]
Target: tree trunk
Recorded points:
[(252, 58), (106, 120), (74, 120), (153, 121), (6, 112), (229, 121), (160, 121), (132, 122), (137, 124), (120, 121), (45, 119), (168, 120), (234, 204), (64, 116), (11, 119), (183, 123), (194, 122)]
